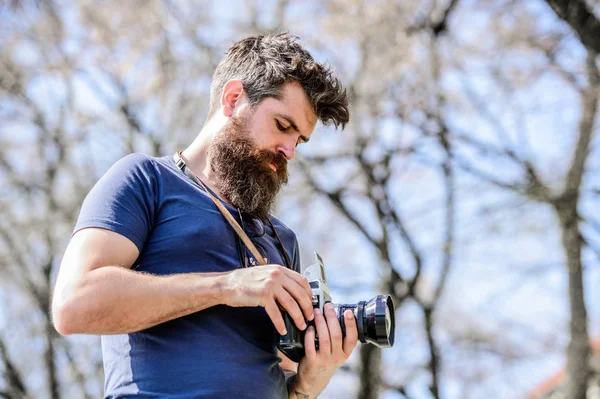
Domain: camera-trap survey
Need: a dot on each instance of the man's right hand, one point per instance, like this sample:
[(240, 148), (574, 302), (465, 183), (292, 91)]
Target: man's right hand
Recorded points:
[(272, 287)]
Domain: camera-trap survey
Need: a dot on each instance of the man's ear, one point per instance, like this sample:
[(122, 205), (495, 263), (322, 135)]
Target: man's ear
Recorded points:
[(230, 97)]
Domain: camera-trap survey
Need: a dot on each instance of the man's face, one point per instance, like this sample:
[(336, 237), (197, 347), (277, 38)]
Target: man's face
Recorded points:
[(249, 157)]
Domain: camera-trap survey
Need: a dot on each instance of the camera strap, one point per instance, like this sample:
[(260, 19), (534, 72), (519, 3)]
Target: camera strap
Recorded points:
[(227, 215)]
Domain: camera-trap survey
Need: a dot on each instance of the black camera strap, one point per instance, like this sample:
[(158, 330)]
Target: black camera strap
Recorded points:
[(227, 215)]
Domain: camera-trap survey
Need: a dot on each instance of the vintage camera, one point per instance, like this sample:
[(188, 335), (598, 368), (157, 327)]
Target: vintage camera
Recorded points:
[(374, 318)]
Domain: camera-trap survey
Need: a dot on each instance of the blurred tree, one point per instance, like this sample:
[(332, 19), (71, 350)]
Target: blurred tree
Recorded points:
[(411, 55), (564, 196)]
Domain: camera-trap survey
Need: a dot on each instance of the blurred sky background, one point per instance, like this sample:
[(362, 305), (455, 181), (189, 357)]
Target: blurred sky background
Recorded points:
[(448, 189)]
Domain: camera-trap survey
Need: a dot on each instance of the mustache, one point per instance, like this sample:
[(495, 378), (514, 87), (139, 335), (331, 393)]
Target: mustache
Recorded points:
[(276, 158)]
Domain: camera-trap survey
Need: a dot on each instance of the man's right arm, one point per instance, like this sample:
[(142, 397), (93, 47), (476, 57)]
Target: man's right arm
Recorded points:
[(97, 293)]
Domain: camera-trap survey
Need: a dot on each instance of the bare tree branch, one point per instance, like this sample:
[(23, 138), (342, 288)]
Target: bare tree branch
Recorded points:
[(14, 380), (581, 19), (438, 27), (441, 26)]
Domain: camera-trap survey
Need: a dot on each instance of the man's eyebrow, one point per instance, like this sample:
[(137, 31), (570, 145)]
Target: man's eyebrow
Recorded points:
[(293, 125)]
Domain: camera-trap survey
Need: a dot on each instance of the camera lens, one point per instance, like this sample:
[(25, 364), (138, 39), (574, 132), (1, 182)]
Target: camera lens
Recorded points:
[(379, 320), (374, 320)]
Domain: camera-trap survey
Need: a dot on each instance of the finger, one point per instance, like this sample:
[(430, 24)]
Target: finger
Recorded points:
[(299, 278), (275, 315), (289, 304), (335, 330), (322, 332), (351, 332), (302, 299), (303, 283), (309, 343)]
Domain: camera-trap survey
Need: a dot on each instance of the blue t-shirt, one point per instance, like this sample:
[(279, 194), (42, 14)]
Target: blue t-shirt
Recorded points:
[(219, 352)]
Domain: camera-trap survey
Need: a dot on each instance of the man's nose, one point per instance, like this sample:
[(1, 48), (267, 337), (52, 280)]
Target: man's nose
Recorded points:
[(288, 150)]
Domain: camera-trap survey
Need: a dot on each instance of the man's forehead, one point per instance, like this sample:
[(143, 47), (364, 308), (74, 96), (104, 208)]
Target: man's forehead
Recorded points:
[(294, 104)]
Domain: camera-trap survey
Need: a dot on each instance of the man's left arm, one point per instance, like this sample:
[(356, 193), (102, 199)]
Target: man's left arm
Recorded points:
[(318, 365)]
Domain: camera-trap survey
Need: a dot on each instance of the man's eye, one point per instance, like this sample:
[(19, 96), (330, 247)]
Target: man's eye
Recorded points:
[(281, 127)]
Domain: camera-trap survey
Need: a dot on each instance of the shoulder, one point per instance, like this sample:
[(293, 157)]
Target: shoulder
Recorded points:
[(137, 161), (133, 173), (143, 168)]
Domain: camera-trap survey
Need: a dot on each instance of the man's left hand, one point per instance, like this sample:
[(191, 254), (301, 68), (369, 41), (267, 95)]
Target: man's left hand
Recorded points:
[(318, 366)]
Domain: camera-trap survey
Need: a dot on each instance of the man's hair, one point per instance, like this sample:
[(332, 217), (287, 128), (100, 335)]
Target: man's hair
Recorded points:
[(265, 63)]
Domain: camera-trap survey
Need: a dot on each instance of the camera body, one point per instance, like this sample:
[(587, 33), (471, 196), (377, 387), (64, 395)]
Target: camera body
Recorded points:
[(315, 274), (375, 319)]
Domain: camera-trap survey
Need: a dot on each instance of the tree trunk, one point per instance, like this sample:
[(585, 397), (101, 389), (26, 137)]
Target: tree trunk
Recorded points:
[(578, 353), (370, 379)]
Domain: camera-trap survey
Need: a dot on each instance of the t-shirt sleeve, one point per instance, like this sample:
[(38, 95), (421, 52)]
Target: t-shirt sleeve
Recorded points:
[(123, 200)]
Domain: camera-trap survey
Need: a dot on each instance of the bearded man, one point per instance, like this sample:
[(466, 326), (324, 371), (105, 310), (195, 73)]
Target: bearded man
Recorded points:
[(155, 267)]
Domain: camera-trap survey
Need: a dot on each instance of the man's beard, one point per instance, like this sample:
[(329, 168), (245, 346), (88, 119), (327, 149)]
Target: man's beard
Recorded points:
[(242, 170)]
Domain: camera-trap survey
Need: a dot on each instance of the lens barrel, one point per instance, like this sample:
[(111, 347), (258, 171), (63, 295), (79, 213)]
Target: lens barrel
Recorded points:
[(375, 320)]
